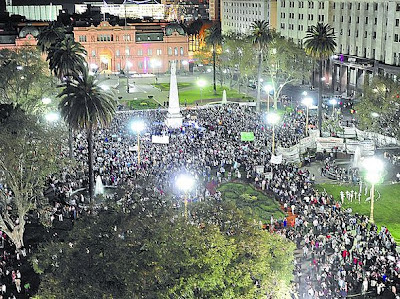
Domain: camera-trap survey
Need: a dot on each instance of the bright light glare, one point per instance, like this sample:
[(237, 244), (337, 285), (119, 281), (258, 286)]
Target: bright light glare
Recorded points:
[(209, 70), (52, 116), (333, 101), (374, 168), (129, 64), (374, 114), (185, 62), (94, 66), (272, 118), (137, 126), (305, 93), (201, 83), (105, 87), (268, 88), (46, 101), (184, 182), (307, 102)]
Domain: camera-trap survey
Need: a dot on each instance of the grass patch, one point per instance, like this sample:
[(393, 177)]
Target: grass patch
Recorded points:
[(387, 207), (141, 104), (165, 86), (252, 202)]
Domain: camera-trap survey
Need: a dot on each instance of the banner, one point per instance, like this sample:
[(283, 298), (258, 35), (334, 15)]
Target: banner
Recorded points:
[(246, 136), (259, 169), (133, 148), (276, 159), (160, 139)]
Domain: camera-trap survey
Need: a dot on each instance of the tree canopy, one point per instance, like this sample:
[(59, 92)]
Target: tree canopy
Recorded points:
[(152, 252), (24, 78)]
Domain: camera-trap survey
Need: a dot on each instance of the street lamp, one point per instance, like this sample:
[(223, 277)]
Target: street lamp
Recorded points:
[(46, 101), (185, 183), (333, 102), (268, 88), (128, 66), (201, 83), (374, 171), (138, 126), (52, 117), (307, 102), (273, 118)]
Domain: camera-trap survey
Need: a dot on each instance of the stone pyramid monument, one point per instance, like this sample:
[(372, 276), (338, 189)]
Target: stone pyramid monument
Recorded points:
[(174, 116)]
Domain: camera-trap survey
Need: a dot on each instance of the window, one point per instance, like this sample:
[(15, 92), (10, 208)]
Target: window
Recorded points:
[(375, 21), (104, 38), (127, 51), (159, 52), (140, 52), (140, 65), (126, 37), (169, 50), (282, 26), (176, 51), (358, 6), (365, 34), (117, 53), (82, 38), (357, 33), (358, 20), (397, 22), (396, 38), (374, 35), (182, 52), (366, 20), (350, 19), (350, 5), (348, 33), (149, 52), (93, 53), (375, 6)]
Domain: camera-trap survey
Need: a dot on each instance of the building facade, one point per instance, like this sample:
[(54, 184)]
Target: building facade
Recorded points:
[(367, 36), (129, 10), (238, 15), (137, 48)]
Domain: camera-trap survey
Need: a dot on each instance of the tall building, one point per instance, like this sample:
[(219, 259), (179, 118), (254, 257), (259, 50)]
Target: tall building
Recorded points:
[(214, 9), (367, 36), (238, 15), (147, 47)]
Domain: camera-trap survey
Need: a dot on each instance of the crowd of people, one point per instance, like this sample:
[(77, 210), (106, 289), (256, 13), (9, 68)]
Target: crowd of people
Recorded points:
[(344, 255)]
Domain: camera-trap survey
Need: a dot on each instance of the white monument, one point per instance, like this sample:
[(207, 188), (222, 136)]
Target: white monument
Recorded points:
[(224, 100), (174, 116), (99, 187)]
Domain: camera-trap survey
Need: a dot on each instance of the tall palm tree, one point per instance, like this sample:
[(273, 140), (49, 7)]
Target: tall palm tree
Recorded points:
[(85, 105), (214, 37), (320, 44), (260, 36), (66, 58), (49, 36)]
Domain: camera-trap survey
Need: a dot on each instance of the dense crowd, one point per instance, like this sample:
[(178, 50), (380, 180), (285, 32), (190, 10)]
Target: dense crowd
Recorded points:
[(344, 255)]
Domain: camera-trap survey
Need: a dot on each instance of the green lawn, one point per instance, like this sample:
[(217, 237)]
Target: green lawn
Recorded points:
[(191, 93), (387, 207), (141, 104), (253, 203)]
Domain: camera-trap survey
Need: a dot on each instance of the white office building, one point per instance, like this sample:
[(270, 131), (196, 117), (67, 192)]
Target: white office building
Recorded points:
[(238, 15), (367, 36)]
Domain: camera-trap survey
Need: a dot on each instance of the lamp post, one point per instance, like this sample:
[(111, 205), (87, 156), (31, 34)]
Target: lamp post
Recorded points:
[(185, 182), (268, 88), (374, 171), (138, 126), (128, 66), (333, 102), (201, 83), (273, 118), (307, 102)]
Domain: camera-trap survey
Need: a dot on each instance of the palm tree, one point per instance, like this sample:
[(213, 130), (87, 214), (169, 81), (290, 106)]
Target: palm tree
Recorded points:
[(50, 36), (85, 105), (214, 37), (66, 58), (260, 36), (320, 44)]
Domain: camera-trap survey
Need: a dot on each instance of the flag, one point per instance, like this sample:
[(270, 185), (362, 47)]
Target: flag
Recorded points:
[(246, 136)]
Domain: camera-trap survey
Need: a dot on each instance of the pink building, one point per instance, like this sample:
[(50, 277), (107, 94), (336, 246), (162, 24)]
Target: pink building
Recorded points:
[(136, 48)]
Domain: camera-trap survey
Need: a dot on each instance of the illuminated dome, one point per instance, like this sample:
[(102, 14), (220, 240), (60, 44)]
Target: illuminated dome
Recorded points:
[(171, 28)]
